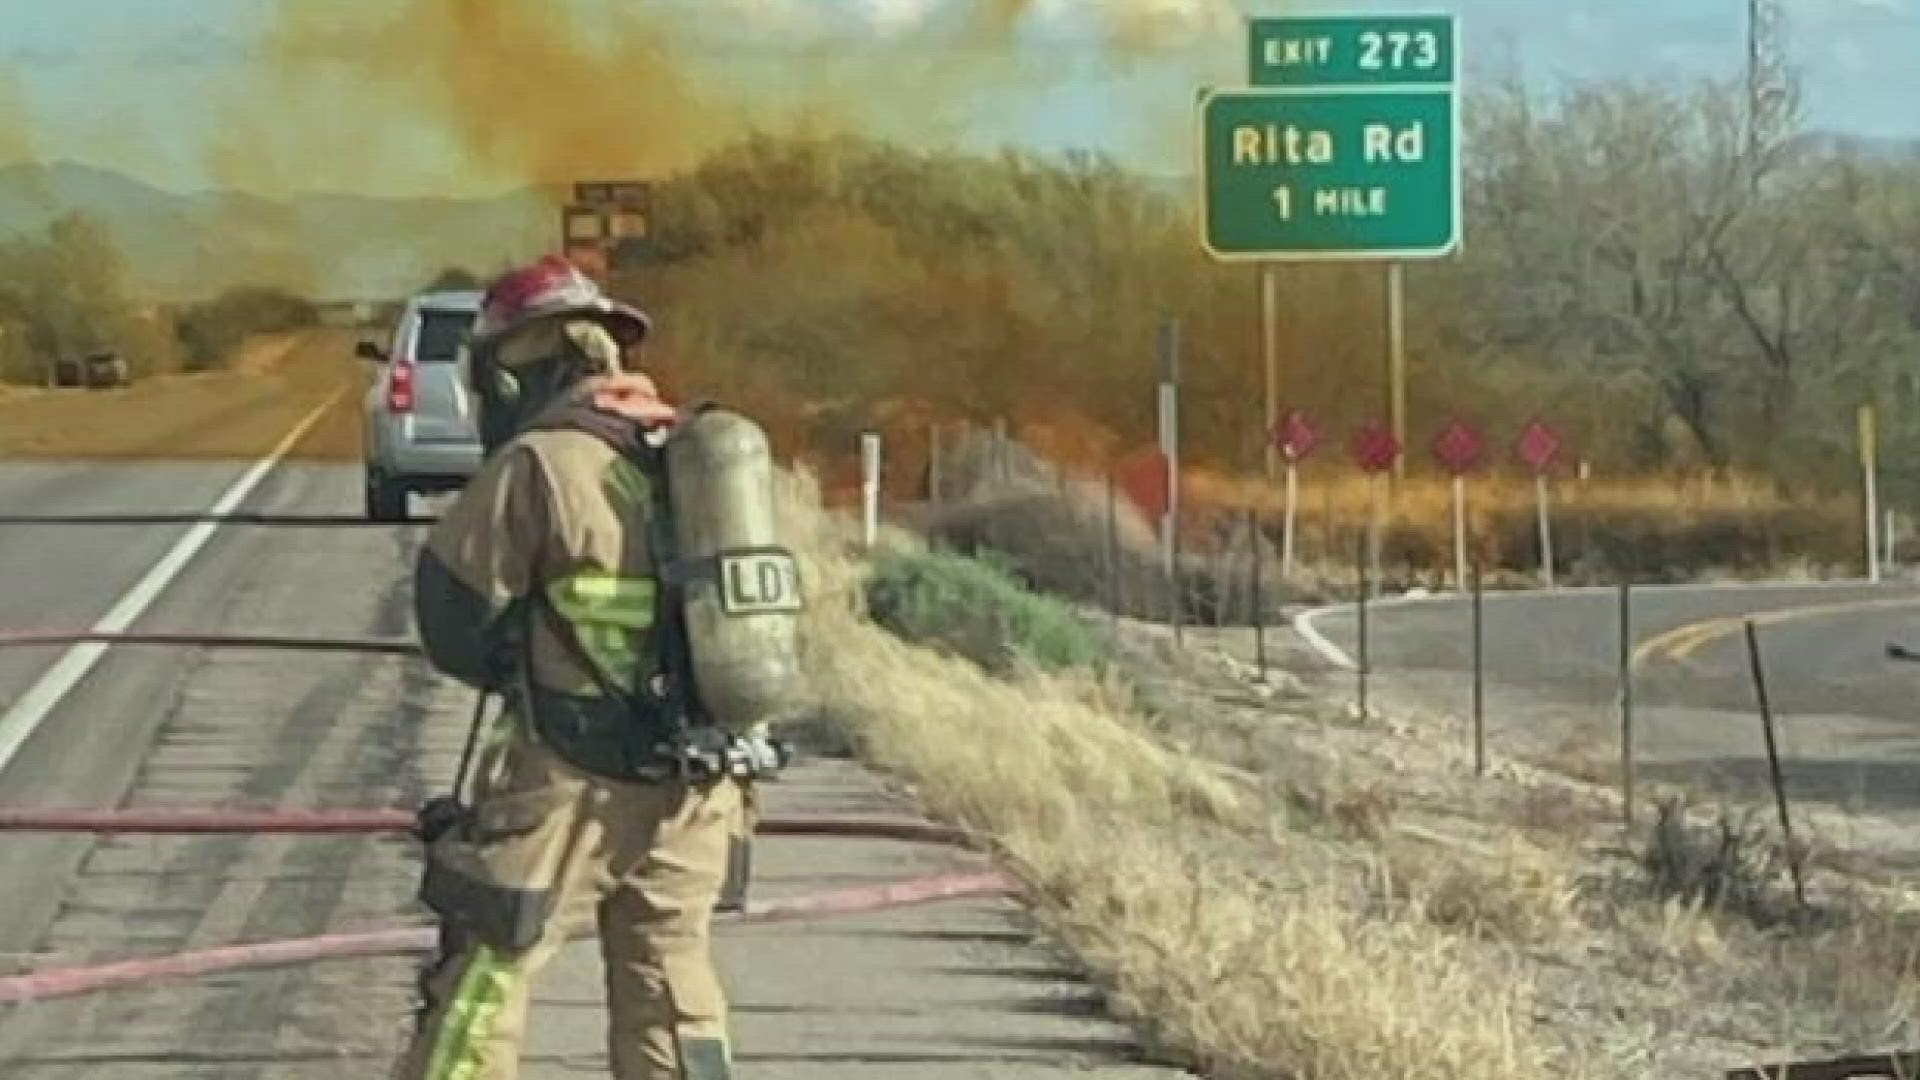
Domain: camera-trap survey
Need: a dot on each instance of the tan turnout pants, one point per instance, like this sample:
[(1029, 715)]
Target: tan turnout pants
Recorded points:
[(643, 861)]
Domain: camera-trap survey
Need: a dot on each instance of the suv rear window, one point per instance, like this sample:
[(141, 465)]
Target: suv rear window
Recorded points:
[(440, 335)]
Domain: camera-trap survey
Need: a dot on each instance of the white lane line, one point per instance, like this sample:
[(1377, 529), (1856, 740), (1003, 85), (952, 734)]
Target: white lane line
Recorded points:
[(1303, 625), (27, 714)]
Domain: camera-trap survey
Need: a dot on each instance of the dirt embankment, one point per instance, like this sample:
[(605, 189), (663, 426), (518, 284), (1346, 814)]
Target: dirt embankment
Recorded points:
[(239, 413)]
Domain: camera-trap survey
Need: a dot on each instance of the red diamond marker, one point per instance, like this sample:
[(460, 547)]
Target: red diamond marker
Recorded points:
[(1375, 448), (1538, 445), (1459, 447), (1295, 436)]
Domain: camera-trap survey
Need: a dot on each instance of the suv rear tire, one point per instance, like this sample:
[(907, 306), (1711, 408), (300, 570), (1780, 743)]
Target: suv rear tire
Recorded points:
[(386, 500)]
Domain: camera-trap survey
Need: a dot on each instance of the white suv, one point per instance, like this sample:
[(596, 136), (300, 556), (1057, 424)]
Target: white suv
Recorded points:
[(422, 434)]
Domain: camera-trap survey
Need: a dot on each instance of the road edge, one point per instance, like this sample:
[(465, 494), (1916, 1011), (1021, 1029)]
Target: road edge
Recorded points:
[(1303, 621)]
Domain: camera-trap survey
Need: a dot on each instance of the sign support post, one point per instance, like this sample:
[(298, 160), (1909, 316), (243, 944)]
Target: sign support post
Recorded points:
[(1290, 521), (1538, 446), (1344, 147), (1397, 361), (1270, 354), (1460, 448), (1375, 450), (1292, 439), (1460, 532), (1546, 530)]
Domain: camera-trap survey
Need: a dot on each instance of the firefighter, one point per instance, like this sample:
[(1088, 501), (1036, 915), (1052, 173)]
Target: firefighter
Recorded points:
[(592, 806)]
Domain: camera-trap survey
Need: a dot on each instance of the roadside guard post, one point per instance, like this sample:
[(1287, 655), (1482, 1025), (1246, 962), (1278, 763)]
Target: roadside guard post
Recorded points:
[(1345, 146), (1375, 450), (1459, 448), (1539, 446), (1869, 453), (870, 487), (1295, 437)]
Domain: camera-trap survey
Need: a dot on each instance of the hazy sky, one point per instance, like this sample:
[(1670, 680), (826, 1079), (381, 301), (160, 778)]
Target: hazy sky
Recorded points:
[(127, 83)]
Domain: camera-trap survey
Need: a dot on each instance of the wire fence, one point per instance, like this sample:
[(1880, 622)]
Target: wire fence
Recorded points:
[(1619, 674)]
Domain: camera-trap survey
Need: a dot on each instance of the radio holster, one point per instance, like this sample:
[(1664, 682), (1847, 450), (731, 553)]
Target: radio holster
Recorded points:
[(457, 882)]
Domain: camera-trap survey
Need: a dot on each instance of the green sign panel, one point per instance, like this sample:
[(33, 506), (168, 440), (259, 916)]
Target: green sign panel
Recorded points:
[(1346, 148), (1330, 174), (1365, 50)]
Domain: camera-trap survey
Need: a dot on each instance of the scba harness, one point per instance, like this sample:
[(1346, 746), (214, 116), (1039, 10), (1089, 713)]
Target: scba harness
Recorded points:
[(652, 731)]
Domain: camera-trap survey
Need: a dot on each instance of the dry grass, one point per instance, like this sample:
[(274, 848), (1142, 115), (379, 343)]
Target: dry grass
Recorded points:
[(1648, 528), (1159, 870), (1522, 893), (214, 415)]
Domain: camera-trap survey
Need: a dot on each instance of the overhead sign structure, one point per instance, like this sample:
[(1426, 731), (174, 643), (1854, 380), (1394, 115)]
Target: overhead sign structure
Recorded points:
[(1347, 147)]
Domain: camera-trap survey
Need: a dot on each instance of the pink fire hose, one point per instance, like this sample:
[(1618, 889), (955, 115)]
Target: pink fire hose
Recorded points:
[(90, 978)]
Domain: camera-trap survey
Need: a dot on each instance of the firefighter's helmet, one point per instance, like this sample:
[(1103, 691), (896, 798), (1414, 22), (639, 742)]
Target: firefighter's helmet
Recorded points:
[(554, 287)]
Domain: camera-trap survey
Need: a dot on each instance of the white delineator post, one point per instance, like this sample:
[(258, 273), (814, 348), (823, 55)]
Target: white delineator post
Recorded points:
[(1289, 519), (1376, 524), (1868, 453), (1460, 531), (870, 487), (1546, 529), (1169, 402)]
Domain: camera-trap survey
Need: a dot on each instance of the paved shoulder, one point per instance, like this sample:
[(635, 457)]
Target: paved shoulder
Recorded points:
[(942, 992)]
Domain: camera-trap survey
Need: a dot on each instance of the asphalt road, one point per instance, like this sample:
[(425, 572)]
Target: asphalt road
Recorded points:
[(195, 727), (1552, 663), (931, 993)]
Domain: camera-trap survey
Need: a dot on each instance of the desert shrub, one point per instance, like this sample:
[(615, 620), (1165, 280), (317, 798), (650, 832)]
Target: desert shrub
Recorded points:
[(1732, 865), (211, 332), (977, 609), (63, 294)]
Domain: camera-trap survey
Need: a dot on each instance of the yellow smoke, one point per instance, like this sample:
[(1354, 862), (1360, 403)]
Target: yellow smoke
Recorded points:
[(544, 92)]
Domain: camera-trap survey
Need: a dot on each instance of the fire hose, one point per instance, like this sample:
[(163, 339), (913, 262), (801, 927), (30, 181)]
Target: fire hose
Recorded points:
[(59, 982)]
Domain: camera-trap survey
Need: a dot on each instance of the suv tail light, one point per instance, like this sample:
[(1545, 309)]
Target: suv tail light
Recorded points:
[(400, 385)]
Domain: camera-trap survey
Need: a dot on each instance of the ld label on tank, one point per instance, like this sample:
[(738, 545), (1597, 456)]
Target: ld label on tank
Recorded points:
[(752, 582)]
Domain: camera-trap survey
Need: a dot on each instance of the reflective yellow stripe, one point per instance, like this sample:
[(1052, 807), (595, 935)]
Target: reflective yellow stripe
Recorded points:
[(627, 486), (609, 614), (470, 1016), (595, 596)]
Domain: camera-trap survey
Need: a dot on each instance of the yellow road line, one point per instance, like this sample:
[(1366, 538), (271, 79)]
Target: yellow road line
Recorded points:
[(1682, 642)]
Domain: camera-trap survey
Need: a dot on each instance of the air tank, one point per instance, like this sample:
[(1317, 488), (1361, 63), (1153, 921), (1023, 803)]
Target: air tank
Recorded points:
[(741, 591)]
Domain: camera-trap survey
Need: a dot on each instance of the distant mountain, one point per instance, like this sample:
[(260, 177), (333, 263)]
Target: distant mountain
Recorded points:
[(182, 246)]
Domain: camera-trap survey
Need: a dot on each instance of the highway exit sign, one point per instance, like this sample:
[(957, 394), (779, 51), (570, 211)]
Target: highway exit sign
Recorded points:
[(1364, 50), (1347, 146)]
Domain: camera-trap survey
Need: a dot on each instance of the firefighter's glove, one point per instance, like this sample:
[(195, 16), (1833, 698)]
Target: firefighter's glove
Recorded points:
[(437, 817)]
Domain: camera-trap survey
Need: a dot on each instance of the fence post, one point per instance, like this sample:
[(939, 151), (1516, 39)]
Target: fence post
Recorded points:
[(1773, 762)]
